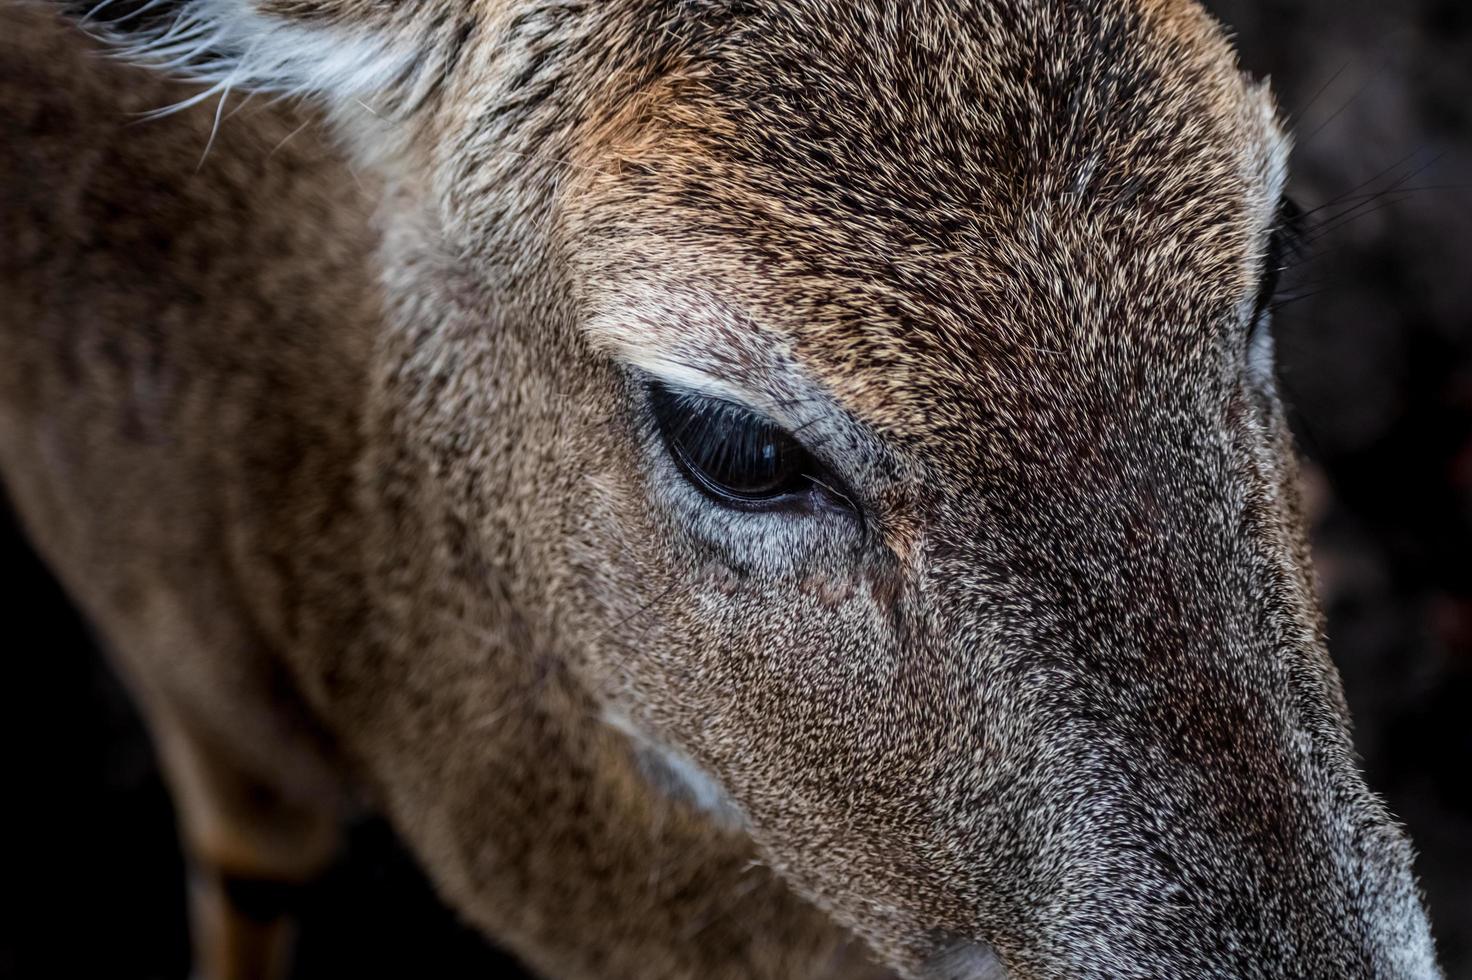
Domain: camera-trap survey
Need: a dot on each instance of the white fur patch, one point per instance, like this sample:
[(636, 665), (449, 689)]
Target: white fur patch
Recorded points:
[(228, 45), (675, 774), (966, 961), (680, 336), (691, 340)]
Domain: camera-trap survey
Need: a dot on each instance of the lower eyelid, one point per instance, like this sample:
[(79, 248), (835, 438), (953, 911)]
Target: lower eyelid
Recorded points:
[(1260, 352)]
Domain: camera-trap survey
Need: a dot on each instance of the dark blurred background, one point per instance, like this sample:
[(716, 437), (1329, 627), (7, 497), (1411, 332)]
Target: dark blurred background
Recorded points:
[(1375, 347)]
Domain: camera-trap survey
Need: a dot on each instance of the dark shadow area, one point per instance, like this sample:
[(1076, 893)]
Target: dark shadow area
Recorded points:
[(91, 862)]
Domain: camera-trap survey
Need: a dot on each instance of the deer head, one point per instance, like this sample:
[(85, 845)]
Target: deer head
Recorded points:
[(871, 407)]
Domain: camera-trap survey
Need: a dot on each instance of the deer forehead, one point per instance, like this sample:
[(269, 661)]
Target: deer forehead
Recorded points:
[(887, 200)]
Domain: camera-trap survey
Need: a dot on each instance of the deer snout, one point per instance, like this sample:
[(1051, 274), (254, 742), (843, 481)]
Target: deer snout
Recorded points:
[(1125, 861), (1142, 915), (1156, 777)]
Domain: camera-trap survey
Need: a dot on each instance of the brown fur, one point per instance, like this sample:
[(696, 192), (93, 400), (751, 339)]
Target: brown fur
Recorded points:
[(374, 502)]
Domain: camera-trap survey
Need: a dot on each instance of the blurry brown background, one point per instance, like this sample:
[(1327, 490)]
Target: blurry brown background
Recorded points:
[(1375, 350)]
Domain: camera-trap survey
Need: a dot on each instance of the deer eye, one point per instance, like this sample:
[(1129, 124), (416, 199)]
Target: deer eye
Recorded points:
[(1284, 247), (732, 454)]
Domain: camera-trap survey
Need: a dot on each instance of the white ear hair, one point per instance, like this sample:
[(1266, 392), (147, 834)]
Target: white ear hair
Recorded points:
[(233, 44)]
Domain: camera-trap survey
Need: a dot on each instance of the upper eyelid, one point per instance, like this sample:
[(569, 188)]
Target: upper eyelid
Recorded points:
[(795, 433), (755, 415)]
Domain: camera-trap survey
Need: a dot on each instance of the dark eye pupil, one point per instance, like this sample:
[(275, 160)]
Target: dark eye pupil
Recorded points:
[(728, 451)]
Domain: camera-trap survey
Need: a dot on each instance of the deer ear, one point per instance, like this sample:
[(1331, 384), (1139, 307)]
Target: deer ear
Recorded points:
[(390, 53)]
